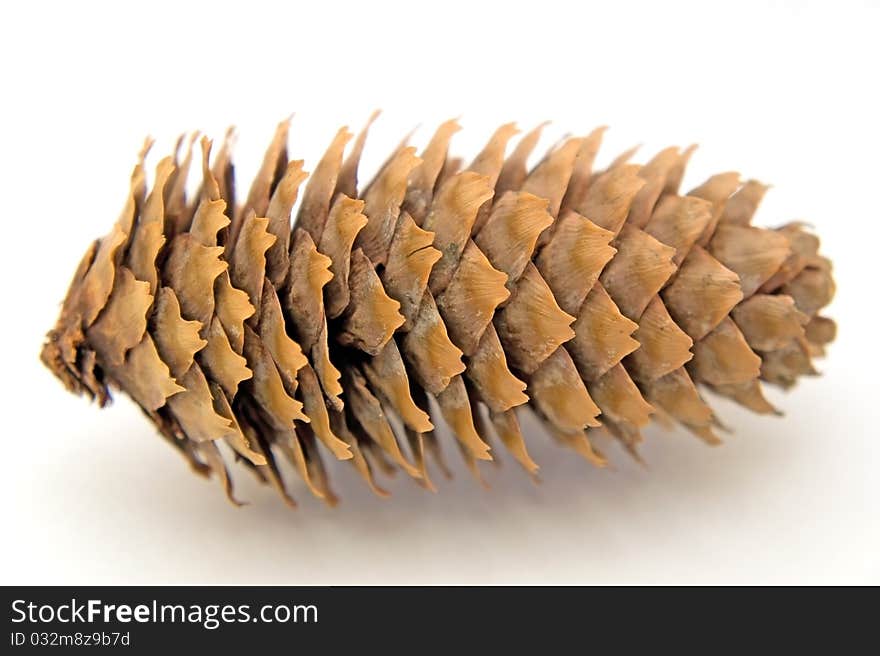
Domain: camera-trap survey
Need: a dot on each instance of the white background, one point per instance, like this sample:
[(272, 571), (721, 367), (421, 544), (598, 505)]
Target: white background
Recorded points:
[(787, 93)]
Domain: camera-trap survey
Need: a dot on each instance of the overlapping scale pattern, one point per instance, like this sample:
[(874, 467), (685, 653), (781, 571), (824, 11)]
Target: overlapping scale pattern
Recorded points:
[(344, 324)]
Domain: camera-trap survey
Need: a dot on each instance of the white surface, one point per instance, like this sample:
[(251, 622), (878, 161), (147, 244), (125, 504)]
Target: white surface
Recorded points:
[(785, 93)]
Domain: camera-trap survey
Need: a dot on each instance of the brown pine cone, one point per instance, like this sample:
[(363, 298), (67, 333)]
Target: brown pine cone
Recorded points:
[(598, 300)]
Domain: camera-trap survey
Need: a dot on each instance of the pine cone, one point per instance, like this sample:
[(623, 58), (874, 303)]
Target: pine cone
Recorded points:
[(598, 300)]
